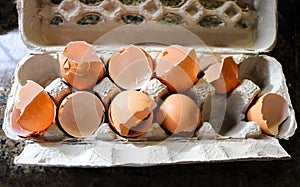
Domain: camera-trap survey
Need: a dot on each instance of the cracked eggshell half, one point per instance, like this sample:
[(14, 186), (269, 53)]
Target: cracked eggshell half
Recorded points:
[(269, 111), (80, 114), (131, 113), (228, 77), (131, 68), (177, 67), (34, 112), (179, 114), (80, 65)]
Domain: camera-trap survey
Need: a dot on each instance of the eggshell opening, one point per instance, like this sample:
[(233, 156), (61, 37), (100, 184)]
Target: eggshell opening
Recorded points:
[(177, 67), (131, 111), (80, 65), (179, 114), (131, 68), (37, 110), (39, 114), (228, 79), (15, 115), (80, 114), (269, 112)]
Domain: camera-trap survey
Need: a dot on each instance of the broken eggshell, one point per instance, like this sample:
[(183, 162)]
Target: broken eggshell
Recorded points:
[(15, 115), (228, 77), (131, 68), (177, 67), (80, 114), (269, 111), (80, 65), (34, 112), (206, 61), (179, 114), (131, 113)]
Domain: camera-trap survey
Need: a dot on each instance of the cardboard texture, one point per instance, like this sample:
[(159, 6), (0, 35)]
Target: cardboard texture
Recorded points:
[(111, 34)]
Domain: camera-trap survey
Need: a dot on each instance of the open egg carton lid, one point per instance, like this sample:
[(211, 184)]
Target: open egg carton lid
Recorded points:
[(225, 26), (241, 28)]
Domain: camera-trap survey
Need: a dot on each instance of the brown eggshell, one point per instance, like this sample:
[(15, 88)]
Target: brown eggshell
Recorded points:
[(131, 68), (269, 111), (80, 114), (130, 113), (206, 61), (177, 67), (80, 65), (228, 79), (35, 110), (15, 115), (179, 114)]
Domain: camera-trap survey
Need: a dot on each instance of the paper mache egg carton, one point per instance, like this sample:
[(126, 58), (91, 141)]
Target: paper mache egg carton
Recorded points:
[(243, 29)]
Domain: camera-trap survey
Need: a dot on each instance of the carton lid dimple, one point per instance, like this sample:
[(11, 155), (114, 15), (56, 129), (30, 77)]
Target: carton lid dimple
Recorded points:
[(242, 26)]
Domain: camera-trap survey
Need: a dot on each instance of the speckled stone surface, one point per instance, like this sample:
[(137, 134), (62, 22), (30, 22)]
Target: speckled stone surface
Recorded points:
[(250, 173)]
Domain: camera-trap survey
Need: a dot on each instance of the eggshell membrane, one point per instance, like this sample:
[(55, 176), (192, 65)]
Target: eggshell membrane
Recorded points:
[(179, 114), (80, 65), (131, 68), (131, 111), (228, 79), (35, 109), (269, 111), (27, 93), (15, 115), (177, 67), (80, 114)]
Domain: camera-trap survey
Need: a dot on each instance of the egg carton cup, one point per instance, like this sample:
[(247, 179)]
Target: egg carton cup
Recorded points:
[(240, 25), (241, 28)]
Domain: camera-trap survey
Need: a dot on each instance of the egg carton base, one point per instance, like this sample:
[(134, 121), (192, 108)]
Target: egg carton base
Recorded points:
[(106, 154)]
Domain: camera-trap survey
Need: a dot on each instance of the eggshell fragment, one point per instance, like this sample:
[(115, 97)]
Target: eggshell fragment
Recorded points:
[(80, 114), (34, 112), (80, 65), (228, 79), (130, 113), (179, 114), (131, 68), (269, 111), (177, 67), (205, 61)]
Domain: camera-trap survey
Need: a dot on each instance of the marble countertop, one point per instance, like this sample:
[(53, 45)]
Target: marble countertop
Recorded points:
[(271, 173)]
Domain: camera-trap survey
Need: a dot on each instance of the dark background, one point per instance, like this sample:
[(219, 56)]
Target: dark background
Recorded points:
[(252, 173)]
